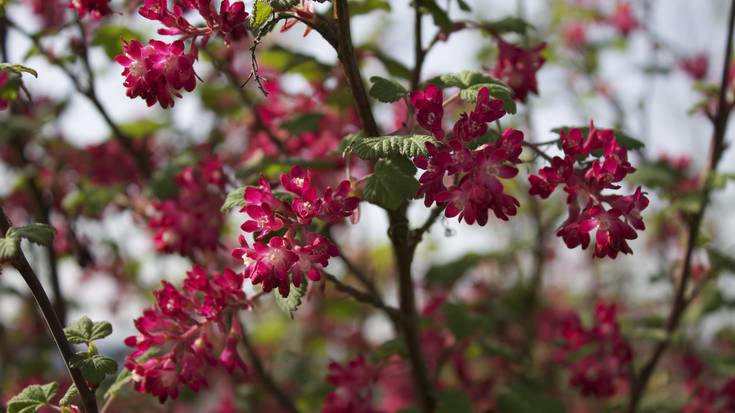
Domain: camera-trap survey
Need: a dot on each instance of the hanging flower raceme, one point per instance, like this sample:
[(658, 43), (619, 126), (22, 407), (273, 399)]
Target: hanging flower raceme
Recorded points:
[(191, 221), (614, 218), (517, 66), (353, 387), (188, 329), (598, 358), (229, 21), (465, 179), (285, 248), (157, 71), (95, 8)]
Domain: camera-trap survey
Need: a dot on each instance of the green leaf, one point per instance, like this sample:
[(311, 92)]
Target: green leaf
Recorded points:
[(123, 378), (71, 392), (622, 138), (235, 199), (307, 122), (447, 274), (470, 83), (345, 144), (387, 90), (460, 321), (111, 38), (393, 66), (392, 183), (527, 396), (41, 234), (142, 128), (464, 6), (85, 331), (33, 398), (19, 69), (94, 367), (509, 24), (453, 401), (10, 245), (291, 303), (439, 15), (380, 147), (261, 13), (283, 5), (285, 60), (497, 91), (358, 7)]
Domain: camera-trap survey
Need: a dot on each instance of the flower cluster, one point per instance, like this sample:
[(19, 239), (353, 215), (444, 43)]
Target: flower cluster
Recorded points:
[(623, 18), (229, 21), (705, 397), (517, 66), (475, 173), (95, 8), (186, 330), (157, 71), (695, 66), (353, 382), (284, 249), (584, 181), (597, 357), (191, 220), (4, 77)]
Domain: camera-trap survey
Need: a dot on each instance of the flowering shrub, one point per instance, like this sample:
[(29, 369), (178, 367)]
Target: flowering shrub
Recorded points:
[(262, 232)]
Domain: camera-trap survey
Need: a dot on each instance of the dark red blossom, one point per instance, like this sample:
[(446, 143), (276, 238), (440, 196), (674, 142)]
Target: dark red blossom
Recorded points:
[(623, 18), (429, 109), (4, 77), (353, 392), (695, 66), (517, 66), (95, 8), (158, 71), (612, 218)]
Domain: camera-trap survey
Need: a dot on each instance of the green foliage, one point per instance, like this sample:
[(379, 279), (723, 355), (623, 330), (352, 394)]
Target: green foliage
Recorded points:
[(447, 274), (85, 331), (453, 401), (33, 398), (41, 234), (527, 396), (287, 61), (18, 69), (110, 38), (10, 245), (142, 128), (392, 66), (71, 392), (306, 122), (94, 367), (89, 199), (470, 83), (392, 183), (282, 5), (464, 6), (234, 199), (122, 379), (380, 147), (460, 321), (439, 15), (622, 138), (261, 13), (291, 303), (358, 7), (510, 24), (387, 90)]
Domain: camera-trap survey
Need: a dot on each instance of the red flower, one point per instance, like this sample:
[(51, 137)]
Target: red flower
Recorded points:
[(4, 77), (157, 71), (623, 18), (695, 66), (517, 66), (429, 110), (353, 391), (96, 8)]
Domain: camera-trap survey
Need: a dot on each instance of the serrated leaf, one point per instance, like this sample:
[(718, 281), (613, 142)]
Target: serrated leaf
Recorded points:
[(387, 90), (622, 138), (111, 38), (100, 330), (41, 234), (391, 183), (19, 69), (261, 13), (345, 144), (94, 367), (85, 331), (497, 91), (71, 392), (291, 303), (9, 246), (33, 398), (235, 199), (123, 378), (381, 147)]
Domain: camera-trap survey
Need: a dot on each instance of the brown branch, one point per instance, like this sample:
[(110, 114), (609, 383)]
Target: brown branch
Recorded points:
[(20, 263), (681, 301)]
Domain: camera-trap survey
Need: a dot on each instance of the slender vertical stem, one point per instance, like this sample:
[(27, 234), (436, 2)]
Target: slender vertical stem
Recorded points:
[(419, 51), (52, 321), (681, 301)]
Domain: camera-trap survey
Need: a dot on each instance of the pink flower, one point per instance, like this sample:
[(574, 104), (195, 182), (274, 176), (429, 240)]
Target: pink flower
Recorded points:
[(517, 67), (232, 19), (575, 35), (96, 8), (429, 109), (623, 18), (695, 66), (353, 390), (157, 71)]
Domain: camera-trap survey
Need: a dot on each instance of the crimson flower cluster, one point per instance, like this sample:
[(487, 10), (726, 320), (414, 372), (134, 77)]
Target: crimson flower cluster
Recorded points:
[(186, 330), (517, 66), (695, 66), (192, 220), (285, 249), (95, 8), (705, 397), (229, 21), (584, 181), (353, 387), (598, 357), (475, 174), (157, 71)]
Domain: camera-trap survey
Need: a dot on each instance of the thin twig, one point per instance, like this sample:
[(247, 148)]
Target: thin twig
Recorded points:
[(364, 297)]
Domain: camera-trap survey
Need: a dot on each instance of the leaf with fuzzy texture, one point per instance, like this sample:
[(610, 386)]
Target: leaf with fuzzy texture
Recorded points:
[(387, 90), (41, 234), (33, 398), (392, 183), (235, 199), (290, 304), (381, 147)]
